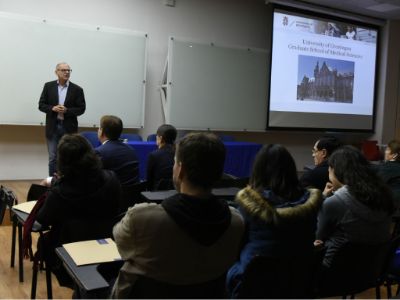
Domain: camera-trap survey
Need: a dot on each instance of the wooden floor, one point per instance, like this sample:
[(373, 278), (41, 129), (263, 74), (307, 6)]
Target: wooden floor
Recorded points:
[(11, 288)]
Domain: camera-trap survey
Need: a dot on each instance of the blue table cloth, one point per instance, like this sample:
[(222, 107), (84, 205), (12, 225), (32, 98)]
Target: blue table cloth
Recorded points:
[(238, 162)]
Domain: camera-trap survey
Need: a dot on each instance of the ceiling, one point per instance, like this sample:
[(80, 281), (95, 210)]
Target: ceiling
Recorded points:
[(382, 9)]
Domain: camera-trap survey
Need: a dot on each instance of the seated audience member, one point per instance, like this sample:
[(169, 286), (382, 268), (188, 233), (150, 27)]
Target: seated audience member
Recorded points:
[(190, 238), (280, 216), (359, 205), (161, 161), (318, 176), (114, 154), (82, 191), (389, 171)]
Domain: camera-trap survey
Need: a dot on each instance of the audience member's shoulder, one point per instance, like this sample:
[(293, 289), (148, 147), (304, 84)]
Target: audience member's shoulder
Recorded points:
[(109, 176), (235, 212), (50, 83), (146, 209), (338, 198)]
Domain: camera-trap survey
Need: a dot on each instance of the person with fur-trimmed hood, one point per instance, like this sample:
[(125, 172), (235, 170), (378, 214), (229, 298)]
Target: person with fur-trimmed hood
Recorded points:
[(279, 213)]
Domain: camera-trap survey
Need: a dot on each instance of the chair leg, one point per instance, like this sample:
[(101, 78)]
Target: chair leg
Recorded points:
[(13, 240), (389, 290), (378, 291), (48, 283), (20, 254), (34, 279)]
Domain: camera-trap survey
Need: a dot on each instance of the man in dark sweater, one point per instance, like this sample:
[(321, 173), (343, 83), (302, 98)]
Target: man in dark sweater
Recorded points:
[(187, 241)]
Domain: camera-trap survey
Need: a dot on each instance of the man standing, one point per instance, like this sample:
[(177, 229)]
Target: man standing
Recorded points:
[(62, 101), (115, 155), (190, 238)]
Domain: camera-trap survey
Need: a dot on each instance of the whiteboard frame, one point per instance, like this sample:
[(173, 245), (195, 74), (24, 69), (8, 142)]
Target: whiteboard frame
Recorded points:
[(42, 72), (167, 86)]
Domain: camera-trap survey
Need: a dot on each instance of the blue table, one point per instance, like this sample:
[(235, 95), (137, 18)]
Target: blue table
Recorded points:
[(240, 157), (238, 162), (143, 150)]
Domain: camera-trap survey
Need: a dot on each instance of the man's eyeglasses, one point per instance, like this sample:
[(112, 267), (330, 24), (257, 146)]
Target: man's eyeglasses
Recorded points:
[(65, 70)]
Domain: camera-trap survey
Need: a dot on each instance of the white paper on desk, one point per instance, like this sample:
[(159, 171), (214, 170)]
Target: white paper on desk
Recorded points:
[(93, 251), (25, 207)]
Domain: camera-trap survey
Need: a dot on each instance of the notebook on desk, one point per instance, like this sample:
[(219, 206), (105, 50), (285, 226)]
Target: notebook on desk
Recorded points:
[(25, 207), (93, 251)]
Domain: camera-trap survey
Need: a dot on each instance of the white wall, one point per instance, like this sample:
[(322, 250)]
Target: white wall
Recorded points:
[(23, 153)]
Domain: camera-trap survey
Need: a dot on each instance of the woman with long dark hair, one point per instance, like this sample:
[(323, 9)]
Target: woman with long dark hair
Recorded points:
[(83, 191), (359, 205), (278, 212)]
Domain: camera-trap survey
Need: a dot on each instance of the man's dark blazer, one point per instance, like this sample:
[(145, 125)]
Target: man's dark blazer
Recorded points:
[(121, 159), (159, 168), (317, 177), (74, 102)]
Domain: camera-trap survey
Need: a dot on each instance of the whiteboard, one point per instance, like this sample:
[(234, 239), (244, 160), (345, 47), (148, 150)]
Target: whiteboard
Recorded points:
[(216, 87), (108, 63)]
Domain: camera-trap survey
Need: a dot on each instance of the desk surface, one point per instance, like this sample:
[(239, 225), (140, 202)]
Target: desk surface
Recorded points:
[(87, 277), (158, 196), (21, 218)]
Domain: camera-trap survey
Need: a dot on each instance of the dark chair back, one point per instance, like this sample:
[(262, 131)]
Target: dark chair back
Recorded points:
[(146, 288), (279, 277), (229, 180), (131, 194), (127, 173), (353, 269), (164, 185), (35, 191)]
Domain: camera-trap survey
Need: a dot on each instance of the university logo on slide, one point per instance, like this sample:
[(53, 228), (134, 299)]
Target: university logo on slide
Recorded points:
[(285, 21)]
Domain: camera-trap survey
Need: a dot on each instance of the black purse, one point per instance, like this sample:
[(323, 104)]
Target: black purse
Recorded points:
[(7, 199)]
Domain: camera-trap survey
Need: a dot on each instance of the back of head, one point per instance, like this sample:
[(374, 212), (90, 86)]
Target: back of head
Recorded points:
[(202, 156), (352, 169), (76, 157), (274, 169), (330, 144), (168, 133), (111, 127)]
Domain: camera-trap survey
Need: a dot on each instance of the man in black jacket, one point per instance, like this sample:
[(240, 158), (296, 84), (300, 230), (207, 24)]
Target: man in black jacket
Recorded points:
[(62, 101), (318, 176)]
